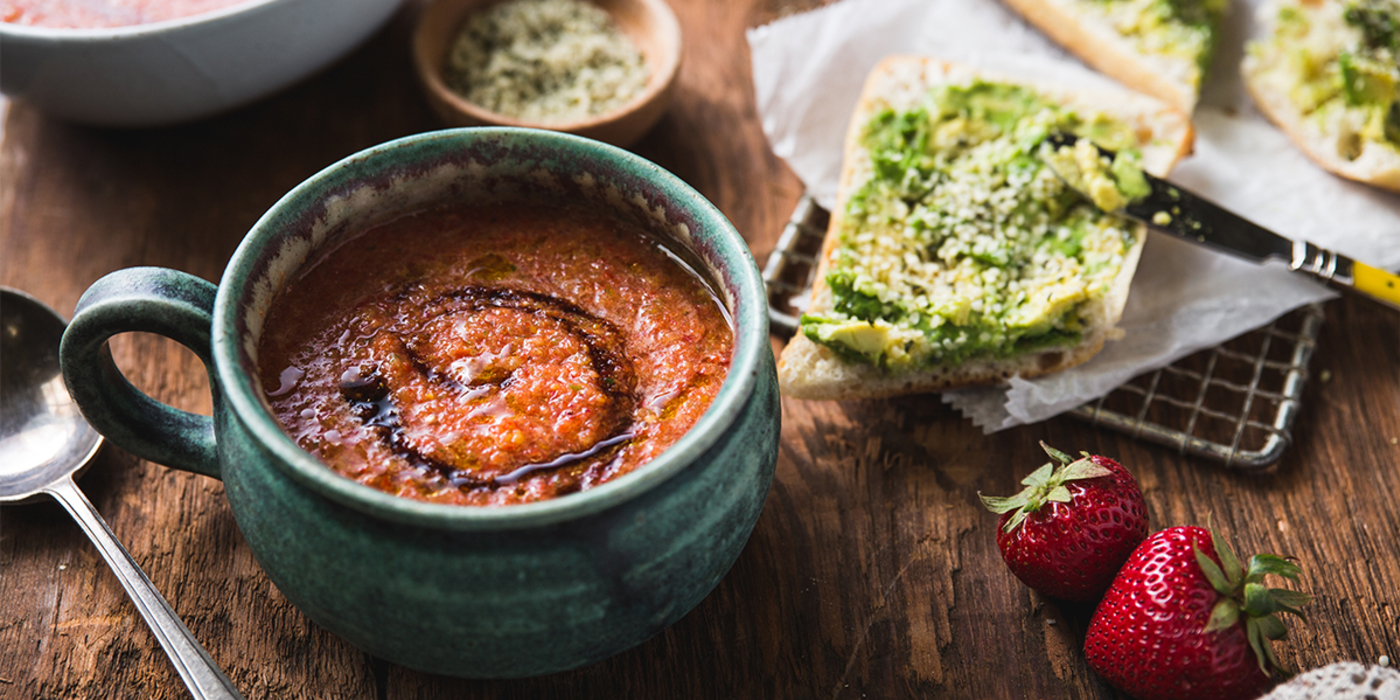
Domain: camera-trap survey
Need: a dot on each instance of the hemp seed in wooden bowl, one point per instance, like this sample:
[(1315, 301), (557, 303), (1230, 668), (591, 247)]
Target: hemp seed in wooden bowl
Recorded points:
[(597, 68)]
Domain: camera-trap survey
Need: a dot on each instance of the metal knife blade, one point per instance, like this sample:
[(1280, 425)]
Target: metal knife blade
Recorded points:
[(1170, 209)]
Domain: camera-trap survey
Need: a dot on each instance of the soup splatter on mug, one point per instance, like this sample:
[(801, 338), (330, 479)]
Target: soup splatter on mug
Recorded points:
[(493, 355)]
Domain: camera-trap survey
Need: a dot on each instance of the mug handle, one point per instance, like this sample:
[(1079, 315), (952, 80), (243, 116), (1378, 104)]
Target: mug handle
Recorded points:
[(156, 300)]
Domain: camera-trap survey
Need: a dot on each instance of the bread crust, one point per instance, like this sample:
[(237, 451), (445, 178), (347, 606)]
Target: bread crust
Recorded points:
[(1096, 43), (808, 370)]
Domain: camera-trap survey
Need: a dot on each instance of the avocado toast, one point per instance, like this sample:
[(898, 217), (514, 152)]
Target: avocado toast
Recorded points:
[(1328, 74), (954, 257), (1160, 47)]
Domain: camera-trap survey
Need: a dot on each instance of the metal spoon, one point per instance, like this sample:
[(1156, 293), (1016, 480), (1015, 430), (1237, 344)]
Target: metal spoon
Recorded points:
[(44, 441)]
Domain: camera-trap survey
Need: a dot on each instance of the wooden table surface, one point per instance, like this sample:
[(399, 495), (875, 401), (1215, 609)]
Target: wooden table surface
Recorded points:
[(873, 571)]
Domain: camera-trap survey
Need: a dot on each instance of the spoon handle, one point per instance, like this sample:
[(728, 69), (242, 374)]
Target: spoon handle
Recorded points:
[(192, 662)]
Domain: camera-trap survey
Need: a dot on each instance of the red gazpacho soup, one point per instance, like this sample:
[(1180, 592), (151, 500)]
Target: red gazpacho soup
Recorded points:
[(493, 355), (96, 14)]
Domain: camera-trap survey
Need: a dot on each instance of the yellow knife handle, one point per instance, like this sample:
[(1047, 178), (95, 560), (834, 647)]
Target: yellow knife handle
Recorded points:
[(1376, 283), (1344, 273)]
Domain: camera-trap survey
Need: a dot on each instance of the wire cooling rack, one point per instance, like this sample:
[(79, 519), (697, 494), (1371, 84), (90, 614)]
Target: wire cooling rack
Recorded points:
[(1235, 403)]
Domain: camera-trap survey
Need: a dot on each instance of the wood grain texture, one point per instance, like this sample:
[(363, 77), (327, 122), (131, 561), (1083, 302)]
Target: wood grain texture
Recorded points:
[(873, 571)]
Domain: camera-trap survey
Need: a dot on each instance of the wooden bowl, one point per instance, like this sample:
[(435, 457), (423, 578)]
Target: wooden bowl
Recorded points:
[(649, 24)]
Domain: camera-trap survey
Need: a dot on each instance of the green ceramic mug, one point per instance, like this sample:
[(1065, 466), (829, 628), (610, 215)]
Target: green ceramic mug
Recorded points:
[(469, 591)]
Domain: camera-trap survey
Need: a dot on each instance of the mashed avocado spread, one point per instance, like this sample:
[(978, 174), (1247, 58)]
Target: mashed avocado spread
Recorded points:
[(1110, 183), (1340, 62), (962, 243)]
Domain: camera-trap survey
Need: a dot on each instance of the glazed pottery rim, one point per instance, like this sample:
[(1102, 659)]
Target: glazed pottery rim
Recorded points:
[(132, 31), (749, 317)]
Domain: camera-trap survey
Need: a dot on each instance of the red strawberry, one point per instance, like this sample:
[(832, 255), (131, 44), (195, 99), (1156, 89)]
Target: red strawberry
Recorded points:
[(1067, 533), (1185, 620)]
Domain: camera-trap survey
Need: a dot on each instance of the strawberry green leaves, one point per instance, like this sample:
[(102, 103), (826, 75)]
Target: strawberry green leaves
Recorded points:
[(1044, 485), (1223, 583), (1245, 597)]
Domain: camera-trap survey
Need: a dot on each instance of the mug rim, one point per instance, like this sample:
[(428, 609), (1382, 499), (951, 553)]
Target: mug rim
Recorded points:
[(748, 315)]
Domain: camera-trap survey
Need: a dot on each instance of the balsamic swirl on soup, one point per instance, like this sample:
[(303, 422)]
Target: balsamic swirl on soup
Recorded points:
[(493, 355)]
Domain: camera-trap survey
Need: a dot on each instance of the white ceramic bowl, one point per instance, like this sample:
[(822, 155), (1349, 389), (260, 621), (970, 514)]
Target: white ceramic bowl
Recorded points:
[(184, 69)]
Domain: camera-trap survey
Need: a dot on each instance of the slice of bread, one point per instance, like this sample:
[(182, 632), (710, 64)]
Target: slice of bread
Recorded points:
[(810, 370), (1329, 133), (1090, 29)]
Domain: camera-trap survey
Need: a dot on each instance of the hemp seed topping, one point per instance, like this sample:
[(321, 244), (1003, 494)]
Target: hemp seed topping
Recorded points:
[(550, 61)]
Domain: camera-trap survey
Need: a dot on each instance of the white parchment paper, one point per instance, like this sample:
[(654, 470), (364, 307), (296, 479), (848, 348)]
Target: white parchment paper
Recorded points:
[(808, 70)]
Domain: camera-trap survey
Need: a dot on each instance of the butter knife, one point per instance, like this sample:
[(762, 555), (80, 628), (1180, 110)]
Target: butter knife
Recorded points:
[(1171, 209)]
